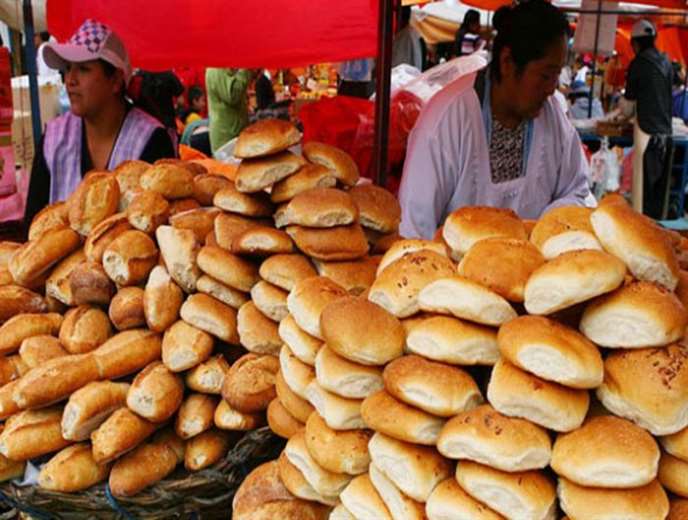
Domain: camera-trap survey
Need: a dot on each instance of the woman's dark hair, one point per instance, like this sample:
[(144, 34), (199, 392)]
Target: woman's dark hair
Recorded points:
[(528, 29), (195, 92), (644, 42), (472, 16), (109, 69)]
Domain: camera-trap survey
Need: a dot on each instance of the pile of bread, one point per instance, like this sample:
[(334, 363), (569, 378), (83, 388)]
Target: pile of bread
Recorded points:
[(506, 369), (140, 323)]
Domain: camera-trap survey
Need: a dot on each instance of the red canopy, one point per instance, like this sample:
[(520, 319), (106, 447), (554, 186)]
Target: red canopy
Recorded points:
[(162, 34), (493, 5)]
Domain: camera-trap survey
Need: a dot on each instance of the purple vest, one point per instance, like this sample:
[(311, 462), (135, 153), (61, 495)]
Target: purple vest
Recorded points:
[(62, 148)]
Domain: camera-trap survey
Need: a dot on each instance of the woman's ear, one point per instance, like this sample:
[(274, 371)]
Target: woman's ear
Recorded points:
[(118, 86)]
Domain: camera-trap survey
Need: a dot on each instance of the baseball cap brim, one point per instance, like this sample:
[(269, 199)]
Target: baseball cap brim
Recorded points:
[(57, 55)]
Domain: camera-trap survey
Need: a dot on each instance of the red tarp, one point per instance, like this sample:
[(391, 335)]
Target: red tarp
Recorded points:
[(493, 5), (162, 34)]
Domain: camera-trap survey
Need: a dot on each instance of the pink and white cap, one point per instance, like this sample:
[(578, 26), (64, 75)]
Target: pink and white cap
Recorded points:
[(92, 41)]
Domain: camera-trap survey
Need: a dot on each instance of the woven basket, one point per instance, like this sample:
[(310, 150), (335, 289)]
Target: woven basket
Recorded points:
[(204, 494)]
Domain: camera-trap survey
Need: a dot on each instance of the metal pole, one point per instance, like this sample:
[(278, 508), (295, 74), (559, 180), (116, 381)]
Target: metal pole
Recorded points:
[(594, 57), (31, 71), (383, 78)]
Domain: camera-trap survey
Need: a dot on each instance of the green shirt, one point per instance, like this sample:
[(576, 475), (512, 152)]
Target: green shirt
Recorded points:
[(227, 104)]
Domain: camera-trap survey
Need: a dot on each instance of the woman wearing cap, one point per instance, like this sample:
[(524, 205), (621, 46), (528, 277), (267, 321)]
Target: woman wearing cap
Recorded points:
[(102, 128), (506, 142)]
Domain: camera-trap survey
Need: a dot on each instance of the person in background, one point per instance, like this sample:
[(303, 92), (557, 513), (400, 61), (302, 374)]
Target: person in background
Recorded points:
[(356, 78), (40, 40), (407, 46), (227, 103), (265, 94), (580, 103), (504, 142), (102, 128), (680, 105), (468, 39), (197, 105), (649, 96)]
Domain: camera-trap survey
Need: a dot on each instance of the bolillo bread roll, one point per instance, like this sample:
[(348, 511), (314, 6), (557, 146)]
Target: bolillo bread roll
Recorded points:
[(13, 367), (18, 300), (156, 393), (90, 284), (90, 406), (95, 199), (34, 259), (130, 257), (84, 329), (212, 316), (127, 352), (228, 418), (195, 415), (8, 406), (148, 211), (266, 137), (179, 249), (227, 295), (338, 161), (184, 346), (249, 385), (32, 433), (209, 376), (254, 175), (257, 332), (100, 238), (227, 268), (206, 449), (72, 469), (172, 181), (162, 299), (58, 285), (126, 309), (120, 433), (23, 326), (53, 216)]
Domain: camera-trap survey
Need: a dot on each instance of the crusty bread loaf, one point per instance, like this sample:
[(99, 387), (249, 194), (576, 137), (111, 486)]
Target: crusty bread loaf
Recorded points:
[(511, 392), (212, 316), (318, 208), (11, 469), (294, 480), (486, 436), (90, 406), (84, 329), (72, 469), (356, 276), (449, 500), (57, 285), (257, 333), (13, 367), (346, 378), (330, 244), (182, 205), (172, 181), (678, 509), (18, 300), (270, 300), (673, 474), (397, 287), (362, 500), (308, 177), (185, 346), (262, 241), (304, 346), (266, 137), (280, 421), (398, 504), (402, 248), (179, 249), (250, 205), (35, 258), (296, 374), (209, 376), (162, 299), (126, 309), (308, 299), (128, 174), (249, 386), (94, 200), (127, 352), (195, 415), (676, 444), (104, 234), (148, 210), (55, 380), (338, 412), (206, 185), (32, 433), (227, 268), (224, 293), (8, 406), (130, 257), (379, 210), (36, 350), (90, 284), (23, 326), (229, 226), (337, 451), (340, 162), (52, 216), (205, 449), (285, 271), (156, 393), (228, 418), (254, 175), (563, 229), (121, 432), (552, 351), (297, 406)]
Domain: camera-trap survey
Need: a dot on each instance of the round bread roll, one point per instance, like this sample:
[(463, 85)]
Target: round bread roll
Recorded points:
[(266, 137), (363, 501), (170, 180), (104, 234), (184, 346), (296, 483), (678, 510), (463, 298), (338, 412), (572, 278), (356, 276), (94, 200), (673, 474), (303, 345), (257, 333), (564, 229), (90, 284), (606, 452), (228, 226), (345, 378), (451, 340), (415, 470), (325, 482), (156, 393), (212, 316), (330, 244), (286, 270), (33, 260), (227, 295), (254, 175), (297, 375), (228, 268), (199, 220), (675, 444), (551, 351), (57, 285), (383, 413), (280, 421), (148, 210), (486, 436), (297, 407), (84, 329), (209, 376), (638, 315), (205, 186), (503, 265), (270, 300), (53, 216), (640, 503), (640, 243), (318, 208), (308, 177), (398, 286), (128, 174), (72, 469), (262, 241), (516, 393), (228, 418), (308, 299), (249, 385), (402, 248), (251, 205), (130, 257), (379, 210), (361, 331), (162, 299), (523, 495), (126, 309), (449, 500), (466, 226), (648, 387), (334, 159), (433, 387), (398, 504), (337, 451)]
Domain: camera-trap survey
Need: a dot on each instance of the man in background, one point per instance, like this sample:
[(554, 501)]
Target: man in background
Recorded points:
[(227, 103), (407, 46)]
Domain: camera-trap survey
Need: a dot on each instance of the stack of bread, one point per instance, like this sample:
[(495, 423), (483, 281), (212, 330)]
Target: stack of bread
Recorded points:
[(507, 369), (143, 322)]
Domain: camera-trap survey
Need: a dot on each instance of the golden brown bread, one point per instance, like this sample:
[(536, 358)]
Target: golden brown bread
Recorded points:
[(212, 316), (94, 200), (249, 386), (84, 329), (257, 332), (266, 137), (195, 415), (379, 210), (280, 421), (308, 177), (182, 205), (205, 186), (58, 285), (185, 346), (162, 299), (250, 205), (156, 393), (90, 406), (228, 227), (32, 433), (318, 208), (356, 276), (254, 175), (34, 259), (37, 350), (170, 180), (53, 216), (199, 220), (103, 234), (8, 406), (23, 326), (148, 210), (340, 162), (262, 241), (127, 352), (207, 448), (128, 174), (227, 295), (18, 300), (179, 249), (298, 407), (228, 268), (285, 270), (338, 243), (90, 284), (72, 469), (228, 418), (12, 368), (126, 309), (208, 377), (130, 257), (120, 433)]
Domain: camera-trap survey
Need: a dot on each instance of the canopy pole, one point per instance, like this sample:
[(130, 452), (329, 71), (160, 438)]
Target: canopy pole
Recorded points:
[(383, 74), (31, 71), (591, 96)]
